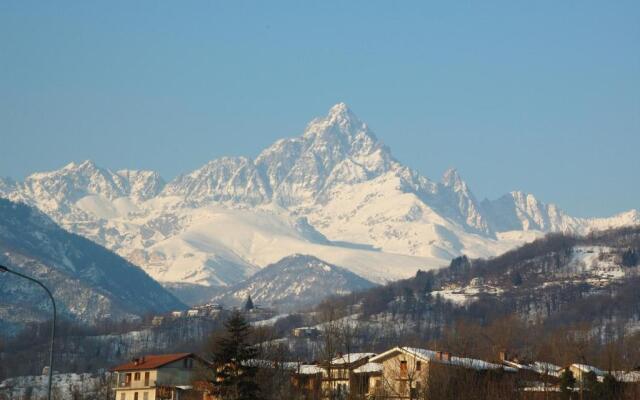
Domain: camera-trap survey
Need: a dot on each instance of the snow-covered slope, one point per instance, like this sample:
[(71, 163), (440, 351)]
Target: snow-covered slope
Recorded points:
[(334, 192), (89, 282), (294, 282)]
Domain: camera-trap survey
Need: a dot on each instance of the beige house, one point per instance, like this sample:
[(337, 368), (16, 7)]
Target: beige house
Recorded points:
[(406, 371), (580, 371), (153, 377)]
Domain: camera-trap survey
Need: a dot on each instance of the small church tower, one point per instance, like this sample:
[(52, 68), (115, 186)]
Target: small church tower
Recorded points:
[(248, 305)]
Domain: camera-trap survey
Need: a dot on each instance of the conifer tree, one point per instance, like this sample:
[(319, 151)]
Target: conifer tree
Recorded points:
[(248, 305), (235, 361), (567, 382)]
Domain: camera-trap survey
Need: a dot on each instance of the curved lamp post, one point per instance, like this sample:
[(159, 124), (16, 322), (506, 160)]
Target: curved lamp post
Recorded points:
[(53, 322)]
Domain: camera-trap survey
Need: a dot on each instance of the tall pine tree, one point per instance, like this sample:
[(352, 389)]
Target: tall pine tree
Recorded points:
[(235, 361)]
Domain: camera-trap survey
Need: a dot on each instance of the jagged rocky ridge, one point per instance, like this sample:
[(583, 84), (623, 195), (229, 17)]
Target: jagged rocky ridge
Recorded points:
[(89, 282), (335, 193)]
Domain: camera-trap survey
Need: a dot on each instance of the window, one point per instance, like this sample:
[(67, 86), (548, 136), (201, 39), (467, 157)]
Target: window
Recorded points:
[(127, 379), (146, 378), (136, 376), (135, 396), (145, 396), (188, 363), (403, 368), (123, 396), (418, 365)]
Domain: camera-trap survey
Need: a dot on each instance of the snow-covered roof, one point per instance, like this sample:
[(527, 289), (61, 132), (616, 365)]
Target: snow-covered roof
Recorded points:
[(369, 368), (626, 376), (306, 369), (432, 356), (351, 358), (588, 368), (539, 367), (545, 368), (458, 361)]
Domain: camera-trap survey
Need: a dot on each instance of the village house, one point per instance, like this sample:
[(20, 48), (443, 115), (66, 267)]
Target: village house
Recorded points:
[(339, 379), (364, 376), (407, 371), (580, 372), (540, 377), (307, 379), (306, 332), (152, 377)]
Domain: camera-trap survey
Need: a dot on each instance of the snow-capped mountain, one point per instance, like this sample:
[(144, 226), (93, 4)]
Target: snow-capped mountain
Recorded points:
[(294, 282), (89, 282), (335, 192)]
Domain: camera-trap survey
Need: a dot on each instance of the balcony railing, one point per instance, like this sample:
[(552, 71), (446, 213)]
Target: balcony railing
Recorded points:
[(141, 384)]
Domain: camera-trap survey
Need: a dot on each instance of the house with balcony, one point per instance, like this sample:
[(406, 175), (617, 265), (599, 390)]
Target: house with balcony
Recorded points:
[(339, 380), (406, 372), (154, 377)]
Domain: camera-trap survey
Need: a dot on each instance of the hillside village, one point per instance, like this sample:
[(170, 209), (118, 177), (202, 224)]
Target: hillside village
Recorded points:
[(358, 347), (398, 373)]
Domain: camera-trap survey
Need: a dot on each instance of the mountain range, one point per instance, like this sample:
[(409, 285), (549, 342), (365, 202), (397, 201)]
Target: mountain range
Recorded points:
[(89, 282), (335, 193)]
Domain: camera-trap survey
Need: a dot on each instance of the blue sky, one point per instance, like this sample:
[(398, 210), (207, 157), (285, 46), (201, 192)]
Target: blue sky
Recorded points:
[(537, 96)]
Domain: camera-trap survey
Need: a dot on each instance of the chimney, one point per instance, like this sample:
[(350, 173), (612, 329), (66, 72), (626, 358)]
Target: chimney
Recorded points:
[(136, 361), (503, 355), (439, 355)]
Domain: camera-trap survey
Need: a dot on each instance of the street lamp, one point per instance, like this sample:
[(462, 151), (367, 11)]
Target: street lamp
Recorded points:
[(53, 322)]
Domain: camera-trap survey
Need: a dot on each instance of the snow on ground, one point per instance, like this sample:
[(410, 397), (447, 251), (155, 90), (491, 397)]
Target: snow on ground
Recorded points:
[(269, 322), (64, 385), (463, 295), (255, 238), (597, 262)]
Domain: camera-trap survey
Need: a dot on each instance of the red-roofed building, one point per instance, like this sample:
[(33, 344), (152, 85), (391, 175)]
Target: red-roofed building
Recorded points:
[(154, 377)]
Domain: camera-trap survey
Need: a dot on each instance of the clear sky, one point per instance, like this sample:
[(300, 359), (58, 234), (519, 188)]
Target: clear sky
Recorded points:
[(540, 96)]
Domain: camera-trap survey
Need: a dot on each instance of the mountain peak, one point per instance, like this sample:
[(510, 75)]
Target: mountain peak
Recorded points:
[(82, 166), (342, 115), (452, 178), (339, 109)]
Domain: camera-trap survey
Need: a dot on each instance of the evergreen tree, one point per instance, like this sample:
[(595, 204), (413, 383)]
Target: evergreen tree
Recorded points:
[(609, 389), (590, 383), (630, 258), (567, 382), (235, 361), (516, 279), (248, 305)]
